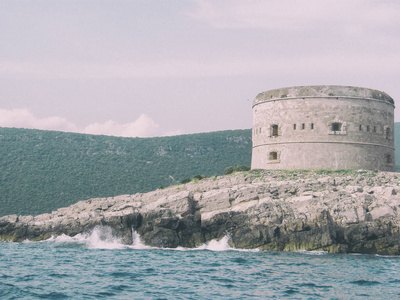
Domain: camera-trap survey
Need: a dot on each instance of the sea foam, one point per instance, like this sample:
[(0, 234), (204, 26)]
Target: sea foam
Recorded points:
[(102, 237), (312, 252)]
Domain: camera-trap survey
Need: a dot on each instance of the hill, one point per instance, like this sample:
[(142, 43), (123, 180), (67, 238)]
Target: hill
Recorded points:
[(42, 171), (45, 170)]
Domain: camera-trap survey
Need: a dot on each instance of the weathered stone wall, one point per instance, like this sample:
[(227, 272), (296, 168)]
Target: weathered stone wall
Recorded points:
[(323, 127)]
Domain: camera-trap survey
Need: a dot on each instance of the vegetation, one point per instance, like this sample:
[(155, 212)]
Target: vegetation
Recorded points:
[(238, 168), (198, 177), (186, 180), (45, 170)]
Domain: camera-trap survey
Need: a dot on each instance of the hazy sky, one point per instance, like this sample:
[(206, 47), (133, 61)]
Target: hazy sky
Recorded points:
[(162, 67)]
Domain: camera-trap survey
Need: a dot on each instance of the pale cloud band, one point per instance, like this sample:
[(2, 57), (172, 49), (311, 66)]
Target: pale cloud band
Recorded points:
[(292, 15), (334, 32), (187, 69), (144, 126)]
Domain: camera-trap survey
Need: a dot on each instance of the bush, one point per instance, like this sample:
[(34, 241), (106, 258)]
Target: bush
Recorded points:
[(228, 170), (186, 180), (238, 168), (199, 177)]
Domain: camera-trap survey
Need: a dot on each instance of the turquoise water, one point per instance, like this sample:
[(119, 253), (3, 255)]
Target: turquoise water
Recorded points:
[(98, 266)]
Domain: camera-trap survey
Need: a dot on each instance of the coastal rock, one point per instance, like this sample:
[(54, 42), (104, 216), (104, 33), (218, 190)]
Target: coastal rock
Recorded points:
[(340, 212)]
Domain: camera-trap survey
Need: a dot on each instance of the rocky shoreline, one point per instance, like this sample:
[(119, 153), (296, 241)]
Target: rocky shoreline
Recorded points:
[(334, 211)]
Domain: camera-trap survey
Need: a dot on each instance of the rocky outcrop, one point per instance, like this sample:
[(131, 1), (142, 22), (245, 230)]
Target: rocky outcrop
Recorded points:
[(342, 212)]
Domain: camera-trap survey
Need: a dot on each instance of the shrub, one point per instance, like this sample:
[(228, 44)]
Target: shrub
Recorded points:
[(199, 177), (228, 170), (186, 180), (238, 168)]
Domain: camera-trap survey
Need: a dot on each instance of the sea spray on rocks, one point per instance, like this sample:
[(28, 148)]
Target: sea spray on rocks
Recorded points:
[(334, 211)]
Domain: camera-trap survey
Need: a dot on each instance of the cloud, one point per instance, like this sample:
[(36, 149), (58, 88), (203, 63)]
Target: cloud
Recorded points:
[(296, 15), (172, 68), (317, 37), (289, 33), (173, 133), (144, 126), (23, 118)]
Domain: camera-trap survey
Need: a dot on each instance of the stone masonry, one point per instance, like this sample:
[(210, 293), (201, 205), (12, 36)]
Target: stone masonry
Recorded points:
[(323, 127)]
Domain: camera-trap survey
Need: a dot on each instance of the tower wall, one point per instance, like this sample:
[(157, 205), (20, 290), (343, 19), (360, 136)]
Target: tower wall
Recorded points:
[(323, 127)]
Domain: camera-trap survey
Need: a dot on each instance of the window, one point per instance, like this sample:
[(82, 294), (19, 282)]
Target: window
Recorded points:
[(312, 125), (374, 128), (360, 128), (367, 128), (389, 159), (387, 133), (336, 126), (294, 126), (273, 155), (274, 130), (303, 126)]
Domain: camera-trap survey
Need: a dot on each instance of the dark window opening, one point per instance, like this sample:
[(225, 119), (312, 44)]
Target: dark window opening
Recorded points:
[(274, 131), (360, 128), (387, 133), (294, 126), (303, 126), (273, 155), (336, 126), (389, 159), (374, 128), (367, 128), (312, 125)]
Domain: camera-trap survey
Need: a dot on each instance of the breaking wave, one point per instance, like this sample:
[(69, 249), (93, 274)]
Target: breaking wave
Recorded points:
[(137, 242), (217, 245), (221, 245), (102, 237), (312, 252)]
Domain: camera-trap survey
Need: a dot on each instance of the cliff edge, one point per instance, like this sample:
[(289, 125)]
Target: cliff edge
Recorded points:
[(334, 211)]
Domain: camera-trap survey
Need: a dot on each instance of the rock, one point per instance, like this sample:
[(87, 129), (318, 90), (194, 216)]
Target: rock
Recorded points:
[(269, 210)]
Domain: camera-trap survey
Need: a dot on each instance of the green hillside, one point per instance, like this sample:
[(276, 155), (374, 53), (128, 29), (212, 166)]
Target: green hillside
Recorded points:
[(45, 170), (41, 171)]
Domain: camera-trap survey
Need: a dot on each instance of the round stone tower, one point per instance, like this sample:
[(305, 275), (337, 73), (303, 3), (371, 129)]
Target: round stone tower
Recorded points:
[(323, 127)]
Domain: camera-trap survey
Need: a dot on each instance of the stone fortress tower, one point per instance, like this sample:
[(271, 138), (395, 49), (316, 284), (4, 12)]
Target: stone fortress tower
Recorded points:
[(323, 127)]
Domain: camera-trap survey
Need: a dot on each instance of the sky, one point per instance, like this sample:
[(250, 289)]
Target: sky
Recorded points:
[(144, 68)]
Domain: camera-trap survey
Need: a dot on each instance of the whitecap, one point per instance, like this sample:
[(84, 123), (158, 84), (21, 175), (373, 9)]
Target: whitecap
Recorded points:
[(213, 245), (100, 237), (222, 245), (387, 256), (137, 242), (312, 252), (217, 245)]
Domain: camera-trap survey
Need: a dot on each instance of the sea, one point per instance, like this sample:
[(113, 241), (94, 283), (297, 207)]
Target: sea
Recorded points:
[(97, 265)]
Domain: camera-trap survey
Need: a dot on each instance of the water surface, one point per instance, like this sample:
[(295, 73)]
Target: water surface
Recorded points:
[(97, 266)]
